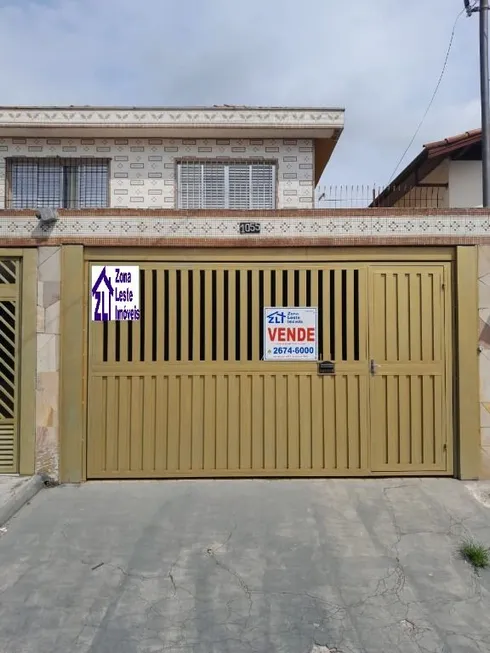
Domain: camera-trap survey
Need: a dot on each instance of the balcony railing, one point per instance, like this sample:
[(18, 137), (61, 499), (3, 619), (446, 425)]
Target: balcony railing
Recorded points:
[(433, 196)]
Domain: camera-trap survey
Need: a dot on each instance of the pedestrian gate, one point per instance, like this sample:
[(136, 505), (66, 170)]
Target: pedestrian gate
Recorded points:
[(185, 391), (9, 334)]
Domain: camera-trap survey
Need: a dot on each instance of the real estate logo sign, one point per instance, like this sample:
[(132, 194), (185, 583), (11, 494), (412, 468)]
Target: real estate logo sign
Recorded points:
[(115, 293)]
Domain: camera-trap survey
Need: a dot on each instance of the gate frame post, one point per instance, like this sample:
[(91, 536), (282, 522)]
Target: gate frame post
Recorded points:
[(73, 330), (468, 381)]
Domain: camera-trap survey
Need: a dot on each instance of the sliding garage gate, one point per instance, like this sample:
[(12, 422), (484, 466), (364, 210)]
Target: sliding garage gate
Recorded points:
[(185, 391)]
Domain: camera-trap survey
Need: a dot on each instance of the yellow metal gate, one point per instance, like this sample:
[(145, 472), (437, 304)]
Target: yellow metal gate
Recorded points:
[(9, 335), (185, 391)]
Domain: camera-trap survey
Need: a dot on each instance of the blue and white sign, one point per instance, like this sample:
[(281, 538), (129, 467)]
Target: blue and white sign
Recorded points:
[(290, 333), (115, 292)]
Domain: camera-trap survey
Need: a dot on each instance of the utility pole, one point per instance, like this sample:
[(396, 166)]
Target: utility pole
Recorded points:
[(484, 94)]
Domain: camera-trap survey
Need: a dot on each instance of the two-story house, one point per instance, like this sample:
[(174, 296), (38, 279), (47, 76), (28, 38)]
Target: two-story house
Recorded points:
[(235, 158), (172, 304)]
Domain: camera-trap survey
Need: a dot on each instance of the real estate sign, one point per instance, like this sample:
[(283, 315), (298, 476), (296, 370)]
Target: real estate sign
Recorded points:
[(290, 333)]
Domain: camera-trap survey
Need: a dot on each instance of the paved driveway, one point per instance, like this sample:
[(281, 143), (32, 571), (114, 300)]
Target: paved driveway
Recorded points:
[(245, 566)]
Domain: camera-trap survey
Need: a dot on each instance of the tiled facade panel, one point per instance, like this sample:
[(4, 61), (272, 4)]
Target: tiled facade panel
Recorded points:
[(143, 171)]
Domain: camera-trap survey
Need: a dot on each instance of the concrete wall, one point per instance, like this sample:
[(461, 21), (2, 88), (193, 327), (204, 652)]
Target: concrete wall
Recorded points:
[(143, 171), (465, 184), (48, 360)]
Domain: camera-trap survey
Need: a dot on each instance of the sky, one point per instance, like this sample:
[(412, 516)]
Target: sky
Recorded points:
[(379, 60)]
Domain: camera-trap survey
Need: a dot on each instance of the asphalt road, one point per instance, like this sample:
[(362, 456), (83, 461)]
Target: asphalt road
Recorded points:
[(245, 567)]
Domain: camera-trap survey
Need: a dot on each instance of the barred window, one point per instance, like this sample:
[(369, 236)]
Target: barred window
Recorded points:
[(226, 185), (58, 183)]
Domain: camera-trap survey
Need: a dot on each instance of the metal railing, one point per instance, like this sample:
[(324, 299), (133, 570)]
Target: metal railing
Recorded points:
[(428, 196)]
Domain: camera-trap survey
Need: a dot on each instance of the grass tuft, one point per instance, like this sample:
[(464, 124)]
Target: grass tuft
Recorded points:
[(475, 553)]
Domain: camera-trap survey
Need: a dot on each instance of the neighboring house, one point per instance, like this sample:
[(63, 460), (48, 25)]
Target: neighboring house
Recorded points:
[(446, 174), (133, 334), (215, 158)]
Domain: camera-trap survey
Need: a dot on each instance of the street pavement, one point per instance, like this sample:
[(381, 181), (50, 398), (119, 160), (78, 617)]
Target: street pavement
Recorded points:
[(238, 566)]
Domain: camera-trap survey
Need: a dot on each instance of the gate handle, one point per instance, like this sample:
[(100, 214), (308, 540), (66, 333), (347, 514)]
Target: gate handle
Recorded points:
[(372, 367)]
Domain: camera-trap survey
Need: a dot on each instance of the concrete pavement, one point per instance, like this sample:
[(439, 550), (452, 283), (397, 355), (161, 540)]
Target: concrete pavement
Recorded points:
[(16, 491), (360, 566)]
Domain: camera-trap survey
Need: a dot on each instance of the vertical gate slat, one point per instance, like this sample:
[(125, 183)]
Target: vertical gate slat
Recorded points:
[(341, 420), (111, 424), (220, 307), (391, 334), (339, 317), (258, 421), (222, 406), (293, 420), (208, 316), (172, 315), (353, 422), (254, 316), (414, 318), (161, 423), (197, 430), (302, 287), (290, 286), (136, 438), (245, 407), (185, 463), (402, 292), (197, 311), (231, 317), (270, 420), (305, 412), (96, 440), (282, 422), (279, 298), (234, 426), (349, 314), (244, 308), (326, 353), (160, 322), (148, 445), (124, 422), (362, 328), (317, 427), (404, 412), (173, 432), (149, 316), (209, 422), (184, 315)]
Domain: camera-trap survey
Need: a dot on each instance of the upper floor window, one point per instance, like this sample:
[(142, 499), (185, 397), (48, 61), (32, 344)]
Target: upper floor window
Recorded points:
[(226, 185), (57, 183)]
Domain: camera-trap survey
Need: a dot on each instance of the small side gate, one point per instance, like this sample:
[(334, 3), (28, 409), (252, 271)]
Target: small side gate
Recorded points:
[(185, 391), (9, 362)]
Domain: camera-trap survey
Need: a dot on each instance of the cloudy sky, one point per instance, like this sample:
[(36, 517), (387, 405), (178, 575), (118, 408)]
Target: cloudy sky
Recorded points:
[(379, 59)]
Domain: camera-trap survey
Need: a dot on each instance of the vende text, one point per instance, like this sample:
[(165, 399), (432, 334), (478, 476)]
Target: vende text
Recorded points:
[(291, 334)]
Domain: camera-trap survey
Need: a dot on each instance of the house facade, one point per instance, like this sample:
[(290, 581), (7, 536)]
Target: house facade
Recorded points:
[(193, 228), (446, 174)]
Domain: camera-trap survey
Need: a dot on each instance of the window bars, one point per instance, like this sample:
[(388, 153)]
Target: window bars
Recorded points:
[(58, 183), (226, 185)]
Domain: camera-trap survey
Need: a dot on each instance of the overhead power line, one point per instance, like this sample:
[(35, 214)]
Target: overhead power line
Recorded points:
[(431, 102)]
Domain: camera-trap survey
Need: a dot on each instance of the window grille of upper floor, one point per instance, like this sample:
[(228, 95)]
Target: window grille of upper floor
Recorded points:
[(57, 183), (226, 185)]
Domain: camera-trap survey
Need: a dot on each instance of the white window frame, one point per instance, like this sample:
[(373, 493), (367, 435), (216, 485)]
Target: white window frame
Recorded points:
[(226, 164)]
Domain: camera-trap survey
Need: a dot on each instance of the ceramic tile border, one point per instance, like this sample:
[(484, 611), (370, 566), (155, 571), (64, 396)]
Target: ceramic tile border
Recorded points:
[(461, 227), (172, 117)]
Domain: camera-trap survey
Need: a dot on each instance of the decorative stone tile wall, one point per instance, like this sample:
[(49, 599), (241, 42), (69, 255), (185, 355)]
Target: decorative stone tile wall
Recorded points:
[(143, 171), (48, 360)]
